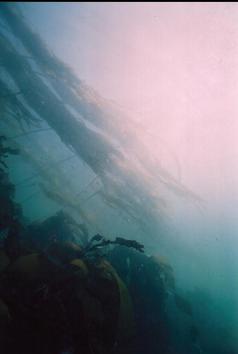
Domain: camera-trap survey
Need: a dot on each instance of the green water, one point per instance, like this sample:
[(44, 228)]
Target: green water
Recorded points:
[(84, 154)]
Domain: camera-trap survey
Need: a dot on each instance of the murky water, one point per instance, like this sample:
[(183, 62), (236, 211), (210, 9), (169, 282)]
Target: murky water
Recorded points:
[(124, 117)]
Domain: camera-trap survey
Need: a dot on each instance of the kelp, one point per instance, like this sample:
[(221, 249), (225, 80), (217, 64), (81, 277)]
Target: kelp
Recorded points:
[(89, 145), (83, 99), (10, 211), (65, 199), (99, 241), (166, 271), (52, 177), (5, 151), (14, 107), (61, 227), (183, 304), (167, 275), (125, 326), (72, 90), (130, 179)]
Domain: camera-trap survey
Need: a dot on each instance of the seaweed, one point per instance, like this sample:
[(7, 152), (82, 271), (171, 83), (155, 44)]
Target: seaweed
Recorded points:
[(11, 212), (130, 178)]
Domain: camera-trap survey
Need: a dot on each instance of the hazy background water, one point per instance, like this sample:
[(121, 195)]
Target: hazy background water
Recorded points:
[(173, 68)]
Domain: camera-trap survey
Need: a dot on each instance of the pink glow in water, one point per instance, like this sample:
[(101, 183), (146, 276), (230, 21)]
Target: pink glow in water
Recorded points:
[(173, 66)]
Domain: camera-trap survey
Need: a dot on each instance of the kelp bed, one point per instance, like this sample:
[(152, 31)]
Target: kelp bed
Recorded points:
[(60, 290)]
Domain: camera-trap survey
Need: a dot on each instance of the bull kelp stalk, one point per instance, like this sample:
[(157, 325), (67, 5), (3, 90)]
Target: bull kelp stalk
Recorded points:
[(47, 95)]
